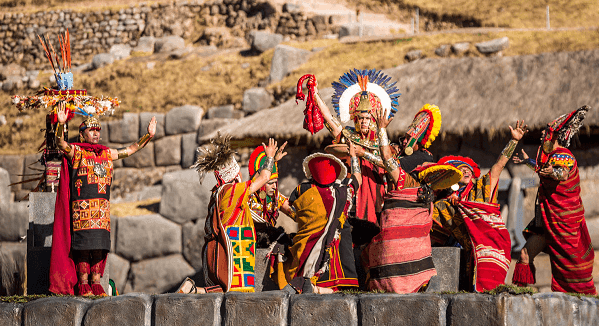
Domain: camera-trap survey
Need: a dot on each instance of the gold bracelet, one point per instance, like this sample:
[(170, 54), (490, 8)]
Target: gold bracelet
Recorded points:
[(60, 129), (68, 149), (122, 152), (509, 148), (143, 141)]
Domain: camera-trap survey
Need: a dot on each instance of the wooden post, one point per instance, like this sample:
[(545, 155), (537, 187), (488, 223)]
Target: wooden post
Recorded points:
[(548, 23), (417, 20)]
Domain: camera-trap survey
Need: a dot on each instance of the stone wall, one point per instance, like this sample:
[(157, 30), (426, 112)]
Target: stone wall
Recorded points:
[(96, 31), (280, 308)]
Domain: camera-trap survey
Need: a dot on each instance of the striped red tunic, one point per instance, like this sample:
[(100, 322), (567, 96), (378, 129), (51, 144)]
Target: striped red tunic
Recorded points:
[(568, 241)]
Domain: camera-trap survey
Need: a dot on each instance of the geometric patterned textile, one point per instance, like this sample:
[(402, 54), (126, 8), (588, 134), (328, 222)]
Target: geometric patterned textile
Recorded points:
[(243, 245), (91, 214)]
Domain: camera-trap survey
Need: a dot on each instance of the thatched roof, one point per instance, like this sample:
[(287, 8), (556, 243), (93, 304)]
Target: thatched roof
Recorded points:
[(474, 94)]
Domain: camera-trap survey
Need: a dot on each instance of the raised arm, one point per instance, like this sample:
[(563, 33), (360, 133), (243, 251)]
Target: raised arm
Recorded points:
[(389, 161), (273, 154), (123, 152), (506, 154), (356, 169), (332, 124), (63, 145)]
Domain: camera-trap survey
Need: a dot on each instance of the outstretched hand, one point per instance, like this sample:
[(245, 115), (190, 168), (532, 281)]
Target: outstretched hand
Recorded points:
[(519, 160), (519, 131), (280, 154), (152, 127), (381, 118), (61, 112), (271, 149)]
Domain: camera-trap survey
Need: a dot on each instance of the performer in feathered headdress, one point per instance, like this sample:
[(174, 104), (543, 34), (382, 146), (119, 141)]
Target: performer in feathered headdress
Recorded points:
[(81, 234), (266, 202), (401, 261), (357, 94), (229, 252), (471, 215), (559, 227)]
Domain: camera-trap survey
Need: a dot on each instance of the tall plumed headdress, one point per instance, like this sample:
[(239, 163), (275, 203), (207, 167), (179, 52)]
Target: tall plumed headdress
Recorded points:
[(218, 157), (257, 159), (424, 128), (363, 90), (565, 127)]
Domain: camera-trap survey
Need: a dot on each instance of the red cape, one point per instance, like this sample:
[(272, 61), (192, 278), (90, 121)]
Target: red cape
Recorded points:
[(63, 276)]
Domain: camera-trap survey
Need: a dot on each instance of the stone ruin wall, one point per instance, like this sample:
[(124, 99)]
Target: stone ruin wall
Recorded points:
[(279, 308), (96, 31)]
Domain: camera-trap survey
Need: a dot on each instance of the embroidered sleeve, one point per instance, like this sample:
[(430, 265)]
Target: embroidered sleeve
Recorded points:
[(281, 200)]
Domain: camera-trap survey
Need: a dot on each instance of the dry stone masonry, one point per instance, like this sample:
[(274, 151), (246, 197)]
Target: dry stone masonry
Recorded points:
[(148, 28), (280, 308)]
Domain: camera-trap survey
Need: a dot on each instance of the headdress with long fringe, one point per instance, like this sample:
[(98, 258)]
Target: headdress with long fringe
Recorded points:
[(424, 128), (566, 126), (218, 157)]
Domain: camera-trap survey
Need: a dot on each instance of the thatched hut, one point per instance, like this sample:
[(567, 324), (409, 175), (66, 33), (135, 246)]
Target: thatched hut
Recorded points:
[(479, 98)]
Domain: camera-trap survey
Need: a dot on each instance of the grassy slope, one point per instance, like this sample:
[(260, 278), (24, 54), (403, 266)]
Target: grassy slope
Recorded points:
[(174, 83), (516, 13)]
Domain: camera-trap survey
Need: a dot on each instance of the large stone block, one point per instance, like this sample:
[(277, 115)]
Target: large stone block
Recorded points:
[(167, 151), (119, 270), (14, 165), (396, 309), (188, 309), (145, 44), (262, 40), (120, 51), (159, 275), (257, 308), (143, 158), (10, 314), (193, 241), (589, 311), (517, 309), (55, 311), (13, 268), (447, 264), (493, 46), (208, 126), (183, 119), (256, 99), (222, 112), (183, 197), (102, 59), (13, 221), (285, 60), (472, 309), (262, 279), (168, 44), (557, 308), (147, 236), (32, 161), (130, 309), (460, 48), (4, 189), (317, 309), (189, 144), (126, 130), (144, 121), (41, 218)]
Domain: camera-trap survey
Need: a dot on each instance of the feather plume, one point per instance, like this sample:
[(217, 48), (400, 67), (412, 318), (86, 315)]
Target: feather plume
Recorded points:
[(214, 155)]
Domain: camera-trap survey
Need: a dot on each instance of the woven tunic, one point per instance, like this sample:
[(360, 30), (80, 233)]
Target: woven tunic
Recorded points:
[(91, 177)]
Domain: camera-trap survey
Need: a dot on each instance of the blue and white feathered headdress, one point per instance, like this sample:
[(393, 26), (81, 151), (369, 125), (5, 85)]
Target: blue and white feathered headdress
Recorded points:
[(364, 81)]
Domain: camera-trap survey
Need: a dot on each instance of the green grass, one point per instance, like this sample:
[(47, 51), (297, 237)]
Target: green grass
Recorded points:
[(512, 289), (28, 298)]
